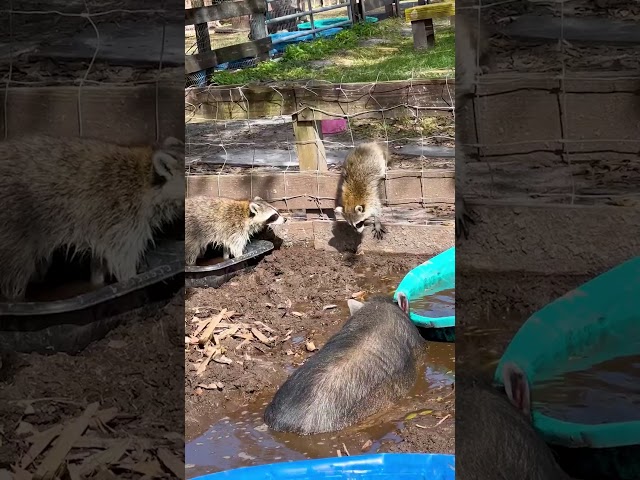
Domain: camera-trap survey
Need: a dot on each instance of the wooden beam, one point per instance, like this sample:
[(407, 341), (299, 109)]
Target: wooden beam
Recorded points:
[(256, 48), (549, 239), (202, 32), (307, 190), (322, 101), (309, 146), (223, 11), (123, 114), (424, 34)]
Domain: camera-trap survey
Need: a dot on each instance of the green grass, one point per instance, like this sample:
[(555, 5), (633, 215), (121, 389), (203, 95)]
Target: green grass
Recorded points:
[(350, 62)]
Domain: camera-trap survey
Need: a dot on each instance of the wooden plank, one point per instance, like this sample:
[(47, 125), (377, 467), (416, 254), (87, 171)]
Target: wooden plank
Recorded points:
[(424, 35), (309, 146), (223, 11), (410, 239), (426, 12), (307, 190), (549, 239), (126, 115), (202, 32), (322, 101), (203, 61)]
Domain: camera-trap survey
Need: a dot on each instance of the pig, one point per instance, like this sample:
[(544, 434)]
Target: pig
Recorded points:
[(494, 432), (370, 364)]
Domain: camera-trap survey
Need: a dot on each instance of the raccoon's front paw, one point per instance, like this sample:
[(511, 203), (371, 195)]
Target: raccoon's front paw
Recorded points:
[(378, 230), (463, 218)]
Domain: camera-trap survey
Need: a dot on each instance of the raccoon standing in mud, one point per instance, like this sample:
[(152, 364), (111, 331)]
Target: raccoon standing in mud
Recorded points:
[(471, 60), (87, 196), (369, 365), (226, 223), (362, 176)]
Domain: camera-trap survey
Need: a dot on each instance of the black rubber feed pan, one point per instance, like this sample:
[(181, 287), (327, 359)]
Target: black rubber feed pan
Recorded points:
[(70, 324), (220, 273)]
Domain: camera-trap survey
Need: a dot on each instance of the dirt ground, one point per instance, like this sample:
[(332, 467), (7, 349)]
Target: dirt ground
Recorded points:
[(293, 296), (134, 374)]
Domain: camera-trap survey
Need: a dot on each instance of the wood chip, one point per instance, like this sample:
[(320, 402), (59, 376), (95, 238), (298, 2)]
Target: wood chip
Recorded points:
[(329, 307), (358, 294), (208, 330), (18, 474), (367, 445), (223, 359), (173, 463), (203, 365), (289, 352), (228, 333), (243, 343), (55, 458), (105, 458), (39, 443), (260, 336), (344, 448), (310, 346), (297, 314), (212, 386), (339, 453), (104, 416), (151, 468), (105, 475), (265, 326)]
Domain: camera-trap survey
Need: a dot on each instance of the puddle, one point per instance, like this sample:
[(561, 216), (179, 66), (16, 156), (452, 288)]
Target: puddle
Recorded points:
[(605, 393), (242, 439), (442, 304), (205, 262)]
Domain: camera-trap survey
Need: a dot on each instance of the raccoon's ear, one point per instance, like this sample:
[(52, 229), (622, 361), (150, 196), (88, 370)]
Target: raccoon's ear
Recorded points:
[(517, 388), (359, 208), (354, 305), (164, 164), (338, 210), (253, 209), (257, 199)]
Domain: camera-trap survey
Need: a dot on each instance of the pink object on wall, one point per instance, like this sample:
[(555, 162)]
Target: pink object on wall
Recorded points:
[(337, 125)]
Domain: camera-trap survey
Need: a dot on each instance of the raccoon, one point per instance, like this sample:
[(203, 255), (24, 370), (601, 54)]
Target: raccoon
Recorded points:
[(363, 173), (226, 223), (87, 196)]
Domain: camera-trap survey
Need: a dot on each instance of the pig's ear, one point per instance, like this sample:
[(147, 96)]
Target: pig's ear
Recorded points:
[(517, 388), (403, 302), (354, 306)]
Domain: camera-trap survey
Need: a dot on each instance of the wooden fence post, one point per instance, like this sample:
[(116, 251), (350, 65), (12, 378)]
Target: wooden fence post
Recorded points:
[(258, 28), (309, 145), (202, 35)]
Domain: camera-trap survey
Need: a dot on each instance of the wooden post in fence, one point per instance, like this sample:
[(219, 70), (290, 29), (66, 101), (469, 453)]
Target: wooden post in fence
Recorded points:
[(258, 28), (202, 34), (309, 146)]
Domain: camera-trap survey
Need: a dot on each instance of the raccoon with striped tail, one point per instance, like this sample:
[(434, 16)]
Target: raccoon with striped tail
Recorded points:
[(87, 196), (226, 223), (360, 193)]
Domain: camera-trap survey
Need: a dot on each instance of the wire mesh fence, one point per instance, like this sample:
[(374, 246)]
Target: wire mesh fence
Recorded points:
[(72, 67), (553, 112), (287, 142)]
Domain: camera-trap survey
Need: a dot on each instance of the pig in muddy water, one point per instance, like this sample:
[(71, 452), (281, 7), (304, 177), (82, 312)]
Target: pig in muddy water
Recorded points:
[(367, 366), (496, 438)]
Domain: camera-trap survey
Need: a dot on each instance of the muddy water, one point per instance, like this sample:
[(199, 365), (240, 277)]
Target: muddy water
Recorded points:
[(442, 304), (205, 262), (242, 439), (605, 393)]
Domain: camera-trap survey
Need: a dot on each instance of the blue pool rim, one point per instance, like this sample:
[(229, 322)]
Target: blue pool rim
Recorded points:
[(326, 22), (613, 294), (432, 276), (382, 466)]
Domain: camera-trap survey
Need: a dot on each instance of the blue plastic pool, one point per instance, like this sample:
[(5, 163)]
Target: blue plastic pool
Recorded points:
[(282, 36), (326, 22), (385, 466), (433, 276), (596, 322)]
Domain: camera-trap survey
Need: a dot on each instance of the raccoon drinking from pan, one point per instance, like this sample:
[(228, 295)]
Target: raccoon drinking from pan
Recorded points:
[(226, 223)]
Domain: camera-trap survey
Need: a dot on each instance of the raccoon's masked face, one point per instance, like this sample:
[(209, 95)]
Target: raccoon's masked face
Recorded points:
[(168, 169), (354, 217), (263, 213)]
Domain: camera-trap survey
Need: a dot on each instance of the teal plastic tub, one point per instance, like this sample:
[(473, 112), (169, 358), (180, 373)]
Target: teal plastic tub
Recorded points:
[(433, 276), (384, 466), (602, 316), (327, 22)]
